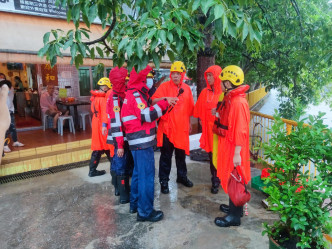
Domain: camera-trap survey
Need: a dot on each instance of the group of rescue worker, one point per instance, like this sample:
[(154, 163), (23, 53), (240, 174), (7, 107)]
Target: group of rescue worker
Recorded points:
[(128, 121)]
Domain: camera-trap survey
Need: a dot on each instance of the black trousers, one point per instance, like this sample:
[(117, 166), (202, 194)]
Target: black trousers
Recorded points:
[(165, 161), (214, 178), (95, 157)]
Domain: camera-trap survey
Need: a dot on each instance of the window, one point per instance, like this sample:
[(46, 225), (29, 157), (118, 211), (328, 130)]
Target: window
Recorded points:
[(89, 78), (84, 81)]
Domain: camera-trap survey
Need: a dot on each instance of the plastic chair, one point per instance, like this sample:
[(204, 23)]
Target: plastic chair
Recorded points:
[(61, 121), (45, 124), (83, 115)]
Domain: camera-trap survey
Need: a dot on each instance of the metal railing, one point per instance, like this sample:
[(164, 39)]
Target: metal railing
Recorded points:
[(260, 124)]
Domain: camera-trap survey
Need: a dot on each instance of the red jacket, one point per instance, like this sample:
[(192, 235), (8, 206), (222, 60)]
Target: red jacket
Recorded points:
[(137, 115), (115, 136)]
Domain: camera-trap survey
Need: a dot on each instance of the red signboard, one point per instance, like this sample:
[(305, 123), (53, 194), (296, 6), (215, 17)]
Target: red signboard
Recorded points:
[(49, 75)]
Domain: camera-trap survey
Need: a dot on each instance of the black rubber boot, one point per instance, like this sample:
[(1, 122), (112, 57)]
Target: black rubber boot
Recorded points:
[(123, 185), (164, 187), (232, 219), (115, 183), (225, 208), (94, 161)]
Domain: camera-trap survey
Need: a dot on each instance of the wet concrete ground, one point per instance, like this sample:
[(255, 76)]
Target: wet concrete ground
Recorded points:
[(71, 210)]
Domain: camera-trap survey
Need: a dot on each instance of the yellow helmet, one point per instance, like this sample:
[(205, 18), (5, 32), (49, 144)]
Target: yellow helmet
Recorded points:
[(178, 66), (105, 82), (232, 73), (150, 75)]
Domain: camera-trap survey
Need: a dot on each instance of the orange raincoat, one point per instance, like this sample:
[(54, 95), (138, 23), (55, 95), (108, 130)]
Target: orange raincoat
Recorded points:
[(175, 124), (99, 116), (208, 100), (236, 116)]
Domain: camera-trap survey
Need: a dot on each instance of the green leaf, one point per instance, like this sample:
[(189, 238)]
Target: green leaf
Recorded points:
[(196, 4), (170, 37), (43, 50), (185, 14), (245, 31), (100, 52), (232, 29), (205, 5), (46, 37), (92, 13), (219, 11), (75, 12), (174, 3), (69, 15), (73, 50), (78, 36), (139, 50), (171, 25), (144, 17), (179, 46), (171, 55), (81, 48), (92, 53), (123, 43), (78, 60), (130, 49), (224, 23), (156, 60), (53, 61), (162, 36), (154, 44), (151, 33)]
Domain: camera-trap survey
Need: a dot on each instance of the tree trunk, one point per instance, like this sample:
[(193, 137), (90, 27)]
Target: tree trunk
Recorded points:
[(205, 59)]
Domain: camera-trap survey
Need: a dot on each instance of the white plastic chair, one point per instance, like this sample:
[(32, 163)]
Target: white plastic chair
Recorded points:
[(83, 115), (61, 121)]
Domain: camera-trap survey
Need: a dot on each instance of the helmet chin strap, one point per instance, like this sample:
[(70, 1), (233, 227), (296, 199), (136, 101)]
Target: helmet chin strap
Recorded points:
[(228, 89)]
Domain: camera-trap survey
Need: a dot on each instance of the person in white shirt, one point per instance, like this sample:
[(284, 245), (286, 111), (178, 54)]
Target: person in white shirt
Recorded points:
[(12, 127)]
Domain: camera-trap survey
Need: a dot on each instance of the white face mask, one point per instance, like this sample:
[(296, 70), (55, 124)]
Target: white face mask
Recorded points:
[(149, 83)]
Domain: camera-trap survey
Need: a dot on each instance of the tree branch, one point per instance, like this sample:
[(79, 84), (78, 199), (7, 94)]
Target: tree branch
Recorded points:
[(103, 38), (268, 23)]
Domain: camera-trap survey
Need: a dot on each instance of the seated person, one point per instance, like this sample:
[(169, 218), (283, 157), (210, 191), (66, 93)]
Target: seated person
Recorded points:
[(48, 106)]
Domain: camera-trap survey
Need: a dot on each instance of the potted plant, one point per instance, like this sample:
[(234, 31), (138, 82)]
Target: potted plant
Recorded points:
[(300, 197)]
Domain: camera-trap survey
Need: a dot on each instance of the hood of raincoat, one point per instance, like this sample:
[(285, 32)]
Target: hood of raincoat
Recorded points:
[(183, 74), (138, 80), (117, 77), (216, 71)]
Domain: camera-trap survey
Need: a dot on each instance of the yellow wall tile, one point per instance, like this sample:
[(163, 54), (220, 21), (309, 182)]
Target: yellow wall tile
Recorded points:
[(73, 145), (27, 152), (86, 142), (43, 149), (64, 158), (11, 155), (48, 161), (33, 164), (59, 147)]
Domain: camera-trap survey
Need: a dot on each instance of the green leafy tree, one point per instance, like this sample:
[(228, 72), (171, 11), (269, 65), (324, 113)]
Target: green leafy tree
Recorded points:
[(295, 55), (150, 29)]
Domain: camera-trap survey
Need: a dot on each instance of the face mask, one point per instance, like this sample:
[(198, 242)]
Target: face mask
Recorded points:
[(149, 83)]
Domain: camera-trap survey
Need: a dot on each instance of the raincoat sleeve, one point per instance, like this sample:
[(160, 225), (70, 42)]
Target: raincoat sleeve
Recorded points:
[(115, 133), (103, 113), (159, 92), (199, 106)]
